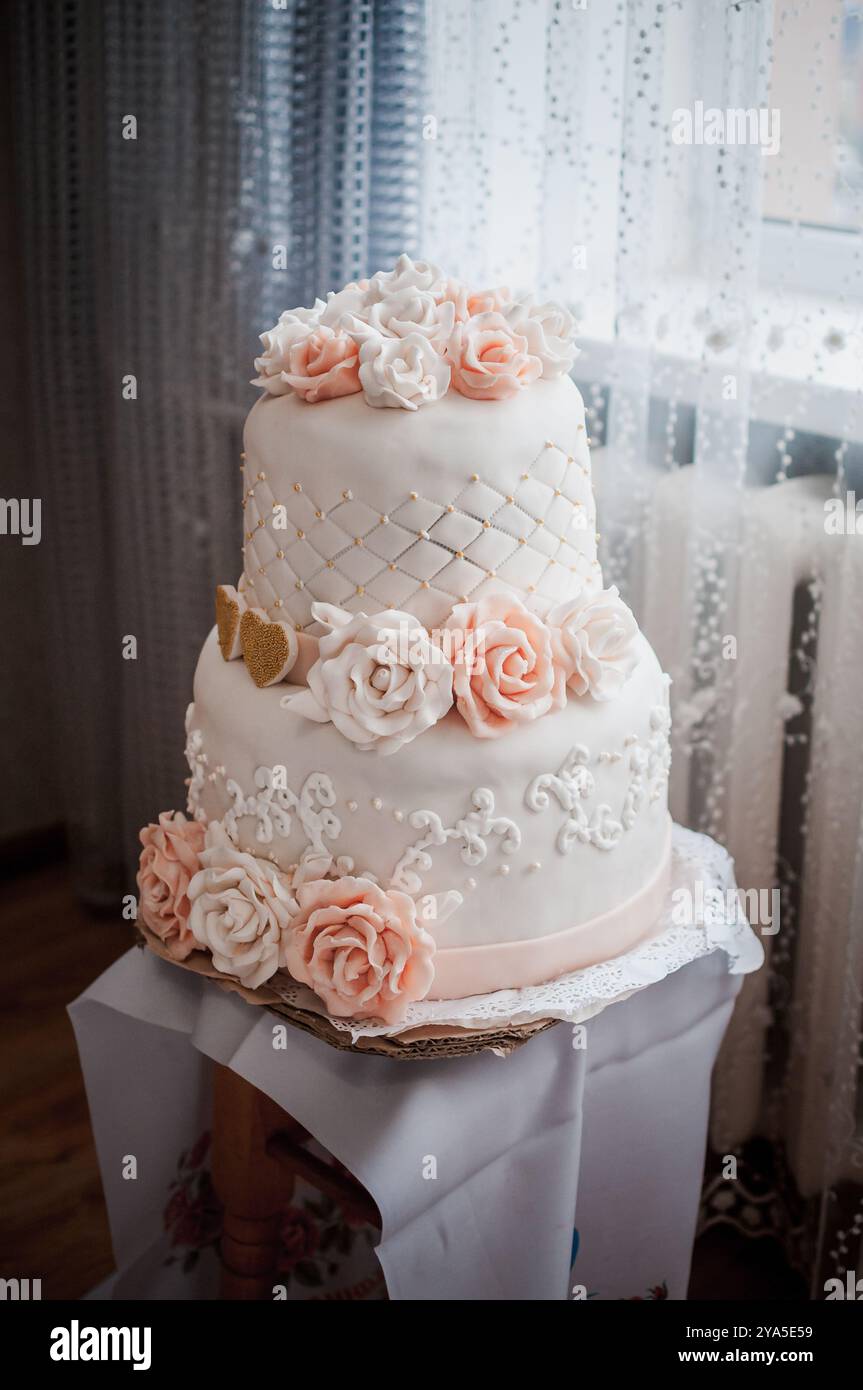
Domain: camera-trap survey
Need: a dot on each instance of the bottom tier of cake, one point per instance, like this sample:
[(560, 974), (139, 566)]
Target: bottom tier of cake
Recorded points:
[(529, 856)]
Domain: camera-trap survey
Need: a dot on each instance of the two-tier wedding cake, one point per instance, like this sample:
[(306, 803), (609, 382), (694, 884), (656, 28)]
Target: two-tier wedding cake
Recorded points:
[(428, 750)]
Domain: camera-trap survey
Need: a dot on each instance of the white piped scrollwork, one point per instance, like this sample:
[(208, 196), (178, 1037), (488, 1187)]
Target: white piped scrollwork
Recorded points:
[(573, 784), (472, 830)]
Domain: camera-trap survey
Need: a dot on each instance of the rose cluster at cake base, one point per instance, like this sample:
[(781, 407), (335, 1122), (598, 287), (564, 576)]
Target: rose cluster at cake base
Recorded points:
[(574, 997)]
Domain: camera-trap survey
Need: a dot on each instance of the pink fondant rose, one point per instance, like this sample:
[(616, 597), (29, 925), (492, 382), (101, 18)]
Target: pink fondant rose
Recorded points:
[(241, 907), (360, 948), (169, 860), (595, 643), (504, 670), (323, 364), (489, 361)]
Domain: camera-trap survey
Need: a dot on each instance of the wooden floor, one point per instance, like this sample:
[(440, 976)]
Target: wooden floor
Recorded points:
[(53, 1225)]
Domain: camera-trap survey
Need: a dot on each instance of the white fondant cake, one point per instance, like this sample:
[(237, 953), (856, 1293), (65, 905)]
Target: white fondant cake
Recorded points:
[(441, 766)]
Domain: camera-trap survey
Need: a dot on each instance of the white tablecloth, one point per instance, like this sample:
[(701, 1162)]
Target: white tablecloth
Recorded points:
[(560, 1167)]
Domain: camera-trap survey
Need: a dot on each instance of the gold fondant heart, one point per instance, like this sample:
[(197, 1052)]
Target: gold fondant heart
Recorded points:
[(269, 648), (229, 610)]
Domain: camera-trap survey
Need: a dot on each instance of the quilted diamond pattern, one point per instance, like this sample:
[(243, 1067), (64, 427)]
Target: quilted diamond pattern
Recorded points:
[(426, 553)]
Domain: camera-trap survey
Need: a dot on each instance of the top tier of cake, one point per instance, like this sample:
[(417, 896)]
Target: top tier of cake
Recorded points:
[(417, 510)]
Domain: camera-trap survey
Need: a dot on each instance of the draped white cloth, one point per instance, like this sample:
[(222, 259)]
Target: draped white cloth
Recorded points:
[(491, 1174)]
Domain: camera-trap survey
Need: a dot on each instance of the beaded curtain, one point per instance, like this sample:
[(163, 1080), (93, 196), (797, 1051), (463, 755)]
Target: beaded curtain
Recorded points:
[(722, 374)]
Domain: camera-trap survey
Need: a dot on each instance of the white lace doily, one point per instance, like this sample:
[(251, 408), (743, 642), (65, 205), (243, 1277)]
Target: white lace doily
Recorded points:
[(699, 866)]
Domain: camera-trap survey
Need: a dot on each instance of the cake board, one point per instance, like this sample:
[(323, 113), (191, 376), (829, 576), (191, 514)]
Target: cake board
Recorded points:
[(430, 1042)]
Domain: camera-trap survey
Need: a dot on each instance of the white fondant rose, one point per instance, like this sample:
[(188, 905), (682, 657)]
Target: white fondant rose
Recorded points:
[(549, 332), (595, 647), (405, 275), (240, 910), (397, 315), (360, 948), (351, 300), (293, 326), (380, 679), (402, 372)]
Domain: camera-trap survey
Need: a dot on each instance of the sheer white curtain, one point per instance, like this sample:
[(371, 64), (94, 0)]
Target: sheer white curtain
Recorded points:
[(722, 364)]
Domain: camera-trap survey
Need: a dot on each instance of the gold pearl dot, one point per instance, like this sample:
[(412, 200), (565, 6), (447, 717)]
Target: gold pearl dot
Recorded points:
[(360, 589), (242, 456), (597, 537), (319, 515), (280, 555), (347, 495), (298, 584), (425, 584), (581, 427), (549, 444), (557, 492), (463, 598), (299, 627), (262, 477), (522, 540), (491, 574), (331, 564), (450, 508), (524, 477), (486, 525), (474, 477), (278, 603), (531, 588), (414, 496), (392, 566), (358, 540), (540, 521), (509, 499), (298, 487), (459, 555), (301, 535), (384, 519), (423, 535), (260, 569)]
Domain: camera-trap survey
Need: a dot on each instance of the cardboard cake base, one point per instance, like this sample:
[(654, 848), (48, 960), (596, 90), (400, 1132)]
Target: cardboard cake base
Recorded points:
[(415, 1043)]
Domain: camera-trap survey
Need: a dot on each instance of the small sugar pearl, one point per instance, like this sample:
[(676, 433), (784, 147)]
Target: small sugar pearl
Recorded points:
[(504, 870), (262, 477), (385, 521), (414, 496), (352, 805), (471, 883), (398, 816), (377, 804), (535, 866), (347, 495)]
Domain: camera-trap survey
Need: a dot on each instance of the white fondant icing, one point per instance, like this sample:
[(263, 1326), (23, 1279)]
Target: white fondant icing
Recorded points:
[(241, 729), (440, 500)]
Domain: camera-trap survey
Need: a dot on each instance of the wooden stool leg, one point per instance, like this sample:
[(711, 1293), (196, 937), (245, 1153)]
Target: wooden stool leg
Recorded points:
[(252, 1186)]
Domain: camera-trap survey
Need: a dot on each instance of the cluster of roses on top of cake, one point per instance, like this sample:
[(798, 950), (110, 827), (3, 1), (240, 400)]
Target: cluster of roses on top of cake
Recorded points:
[(405, 336), (361, 948), (384, 679)]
